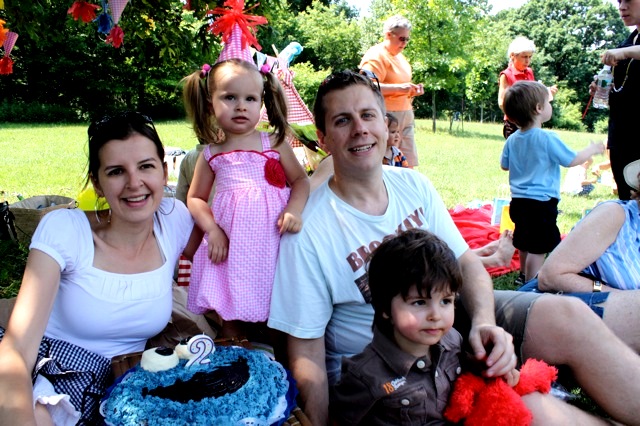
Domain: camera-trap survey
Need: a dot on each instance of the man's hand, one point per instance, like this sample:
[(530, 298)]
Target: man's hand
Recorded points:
[(501, 358)]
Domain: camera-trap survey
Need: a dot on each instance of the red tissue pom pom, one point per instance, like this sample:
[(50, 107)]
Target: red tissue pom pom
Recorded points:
[(83, 10), (6, 66), (274, 173), (115, 37)]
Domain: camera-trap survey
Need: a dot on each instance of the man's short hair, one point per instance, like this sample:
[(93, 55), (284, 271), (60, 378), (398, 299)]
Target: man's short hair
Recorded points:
[(338, 81), (414, 257), (521, 100), (394, 22)]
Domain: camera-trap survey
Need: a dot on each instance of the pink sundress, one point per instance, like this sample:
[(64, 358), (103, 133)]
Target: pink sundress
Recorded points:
[(251, 193)]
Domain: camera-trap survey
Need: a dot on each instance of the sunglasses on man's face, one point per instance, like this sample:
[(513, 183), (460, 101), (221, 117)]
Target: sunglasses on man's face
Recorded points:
[(403, 39)]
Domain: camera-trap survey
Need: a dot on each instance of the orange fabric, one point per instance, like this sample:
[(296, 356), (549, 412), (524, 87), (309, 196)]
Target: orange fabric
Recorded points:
[(389, 69)]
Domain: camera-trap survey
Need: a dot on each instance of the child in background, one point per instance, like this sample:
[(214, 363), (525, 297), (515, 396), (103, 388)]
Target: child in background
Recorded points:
[(519, 54), (414, 356), (533, 157), (393, 156), (187, 167), (233, 269)]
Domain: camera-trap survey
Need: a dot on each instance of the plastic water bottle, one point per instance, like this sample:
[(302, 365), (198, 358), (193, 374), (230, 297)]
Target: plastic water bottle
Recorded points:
[(604, 79)]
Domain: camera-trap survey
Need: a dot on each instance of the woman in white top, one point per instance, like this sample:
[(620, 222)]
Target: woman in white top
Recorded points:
[(96, 285)]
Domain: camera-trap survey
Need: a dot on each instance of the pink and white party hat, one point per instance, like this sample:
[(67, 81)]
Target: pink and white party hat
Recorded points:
[(237, 29)]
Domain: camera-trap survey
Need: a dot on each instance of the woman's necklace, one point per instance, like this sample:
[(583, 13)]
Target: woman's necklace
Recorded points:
[(626, 74)]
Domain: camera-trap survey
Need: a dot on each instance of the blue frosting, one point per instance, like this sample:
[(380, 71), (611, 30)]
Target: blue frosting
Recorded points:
[(125, 405)]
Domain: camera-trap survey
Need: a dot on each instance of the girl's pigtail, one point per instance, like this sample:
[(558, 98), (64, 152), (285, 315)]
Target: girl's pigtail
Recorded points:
[(197, 104), (275, 101)]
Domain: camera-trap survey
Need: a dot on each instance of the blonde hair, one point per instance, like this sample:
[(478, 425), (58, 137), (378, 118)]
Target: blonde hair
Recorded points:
[(199, 86), (522, 99), (520, 44)]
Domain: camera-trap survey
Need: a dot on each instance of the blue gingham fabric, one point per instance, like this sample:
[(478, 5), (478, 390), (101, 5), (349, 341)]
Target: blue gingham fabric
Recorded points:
[(75, 371)]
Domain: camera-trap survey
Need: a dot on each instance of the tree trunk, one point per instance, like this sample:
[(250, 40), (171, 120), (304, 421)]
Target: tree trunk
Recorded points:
[(433, 110)]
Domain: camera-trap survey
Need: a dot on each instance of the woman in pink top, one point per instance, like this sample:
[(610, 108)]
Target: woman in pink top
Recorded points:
[(393, 71)]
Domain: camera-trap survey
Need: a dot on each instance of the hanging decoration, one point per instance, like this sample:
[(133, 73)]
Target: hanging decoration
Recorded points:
[(83, 10), (237, 29), (105, 22), (6, 64), (107, 19), (116, 35), (3, 31)]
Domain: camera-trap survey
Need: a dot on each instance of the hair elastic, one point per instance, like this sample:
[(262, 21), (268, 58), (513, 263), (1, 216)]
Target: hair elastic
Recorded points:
[(204, 71), (265, 69)]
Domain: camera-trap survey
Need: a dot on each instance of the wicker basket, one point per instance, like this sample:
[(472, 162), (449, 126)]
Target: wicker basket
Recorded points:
[(29, 211)]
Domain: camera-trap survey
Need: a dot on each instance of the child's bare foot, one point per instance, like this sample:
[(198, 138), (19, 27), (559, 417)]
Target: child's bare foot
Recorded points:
[(505, 251)]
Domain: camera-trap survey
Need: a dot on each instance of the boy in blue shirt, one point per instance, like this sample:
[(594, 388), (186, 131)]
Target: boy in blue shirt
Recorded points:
[(533, 157)]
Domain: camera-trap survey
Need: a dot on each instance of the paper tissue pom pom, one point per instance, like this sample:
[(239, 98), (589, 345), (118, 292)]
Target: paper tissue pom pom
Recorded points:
[(83, 10), (105, 23), (115, 37), (3, 32), (6, 66)]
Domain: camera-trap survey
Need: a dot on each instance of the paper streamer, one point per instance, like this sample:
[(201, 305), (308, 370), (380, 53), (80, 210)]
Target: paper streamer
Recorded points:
[(9, 42), (117, 6)]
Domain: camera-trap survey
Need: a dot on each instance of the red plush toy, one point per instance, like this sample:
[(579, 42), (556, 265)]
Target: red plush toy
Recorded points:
[(492, 402)]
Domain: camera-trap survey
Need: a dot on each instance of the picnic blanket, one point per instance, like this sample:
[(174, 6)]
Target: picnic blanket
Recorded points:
[(475, 226)]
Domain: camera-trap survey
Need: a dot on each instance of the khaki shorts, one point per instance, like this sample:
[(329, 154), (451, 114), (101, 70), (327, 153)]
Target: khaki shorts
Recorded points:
[(512, 312)]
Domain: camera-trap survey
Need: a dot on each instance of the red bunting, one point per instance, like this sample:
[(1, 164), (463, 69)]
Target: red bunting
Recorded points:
[(83, 10), (115, 37), (6, 66)]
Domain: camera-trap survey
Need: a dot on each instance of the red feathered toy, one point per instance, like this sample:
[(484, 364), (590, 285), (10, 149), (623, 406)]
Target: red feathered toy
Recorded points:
[(492, 402)]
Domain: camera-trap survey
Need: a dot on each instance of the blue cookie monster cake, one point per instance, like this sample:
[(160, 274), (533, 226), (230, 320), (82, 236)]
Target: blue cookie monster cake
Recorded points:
[(238, 387)]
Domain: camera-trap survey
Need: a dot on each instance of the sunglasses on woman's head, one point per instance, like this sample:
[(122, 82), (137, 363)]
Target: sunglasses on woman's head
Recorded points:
[(122, 117)]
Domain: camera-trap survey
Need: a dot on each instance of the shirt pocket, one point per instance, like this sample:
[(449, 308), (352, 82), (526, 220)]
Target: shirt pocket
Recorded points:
[(408, 405)]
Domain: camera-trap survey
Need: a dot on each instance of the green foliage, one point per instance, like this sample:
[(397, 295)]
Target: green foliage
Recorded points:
[(34, 112), (566, 112), (307, 81), (14, 258), (329, 36), (602, 125)]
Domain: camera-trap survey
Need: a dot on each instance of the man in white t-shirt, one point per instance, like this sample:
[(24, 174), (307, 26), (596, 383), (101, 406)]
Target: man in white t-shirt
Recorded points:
[(320, 295)]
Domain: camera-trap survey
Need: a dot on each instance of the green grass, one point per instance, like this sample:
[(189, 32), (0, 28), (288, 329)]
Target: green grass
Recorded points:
[(464, 166)]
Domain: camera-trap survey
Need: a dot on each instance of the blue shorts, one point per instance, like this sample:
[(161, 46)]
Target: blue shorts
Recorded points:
[(594, 299)]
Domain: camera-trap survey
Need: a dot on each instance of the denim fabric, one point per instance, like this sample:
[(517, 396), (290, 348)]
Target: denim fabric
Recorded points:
[(594, 300)]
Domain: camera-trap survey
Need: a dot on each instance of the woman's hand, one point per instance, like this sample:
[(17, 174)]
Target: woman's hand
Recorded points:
[(289, 222), (218, 245)]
